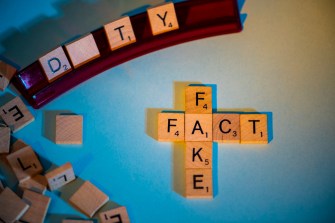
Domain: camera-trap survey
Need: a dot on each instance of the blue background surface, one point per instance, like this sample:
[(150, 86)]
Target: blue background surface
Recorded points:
[(282, 62)]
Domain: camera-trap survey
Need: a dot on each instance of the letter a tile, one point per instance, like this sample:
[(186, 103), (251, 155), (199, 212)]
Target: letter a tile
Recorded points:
[(163, 18), (254, 128), (198, 127), (171, 127), (55, 64)]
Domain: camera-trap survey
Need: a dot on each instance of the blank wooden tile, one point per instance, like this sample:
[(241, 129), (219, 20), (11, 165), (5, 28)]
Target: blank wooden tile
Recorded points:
[(163, 18), (12, 207), (120, 33), (226, 128), (254, 128), (60, 176), (4, 139), (76, 221), (39, 205), (55, 64), (36, 183), (82, 51), (17, 145), (6, 74), (198, 127), (199, 183), (88, 199), (198, 100), (198, 155), (15, 114), (69, 129), (24, 163), (171, 127), (114, 215)]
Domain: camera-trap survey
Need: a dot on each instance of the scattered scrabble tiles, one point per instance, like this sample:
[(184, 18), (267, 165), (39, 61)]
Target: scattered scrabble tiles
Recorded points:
[(82, 51), (4, 139), (15, 114), (69, 129), (36, 183), (24, 163), (12, 207), (55, 64), (226, 128), (120, 33), (114, 215), (60, 176), (199, 127), (88, 199), (6, 74), (163, 18), (254, 128), (39, 205), (171, 126)]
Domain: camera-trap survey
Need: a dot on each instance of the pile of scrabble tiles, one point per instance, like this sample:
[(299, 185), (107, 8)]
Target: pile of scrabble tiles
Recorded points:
[(199, 127), (32, 179)]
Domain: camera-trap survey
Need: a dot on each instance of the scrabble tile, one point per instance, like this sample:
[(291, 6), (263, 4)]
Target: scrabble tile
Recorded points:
[(114, 215), (6, 74), (60, 176), (12, 207), (82, 51), (198, 127), (163, 18), (198, 155), (4, 139), (39, 205), (55, 64), (69, 129), (120, 33), (36, 183), (199, 183), (17, 145), (76, 221), (254, 128), (24, 163), (198, 100), (88, 199), (15, 114), (171, 127), (226, 128)]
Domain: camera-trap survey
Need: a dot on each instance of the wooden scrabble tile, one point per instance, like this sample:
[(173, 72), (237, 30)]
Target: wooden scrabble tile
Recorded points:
[(114, 215), (199, 183), (254, 128), (76, 221), (15, 114), (69, 129), (198, 100), (6, 74), (198, 127), (36, 183), (226, 128), (60, 176), (39, 205), (82, 51), (4, 139), (12, 207), (198, 155), (163, 18), (120, 33), (55, 64), (171, 127), (18, 144), (88, 199), (24, 163)]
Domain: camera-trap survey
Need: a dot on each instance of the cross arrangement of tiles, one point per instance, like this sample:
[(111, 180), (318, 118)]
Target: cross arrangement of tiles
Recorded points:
[(199, 127)]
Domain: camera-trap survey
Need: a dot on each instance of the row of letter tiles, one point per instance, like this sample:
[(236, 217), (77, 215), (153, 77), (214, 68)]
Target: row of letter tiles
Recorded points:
[(228, 128), (119, 33)]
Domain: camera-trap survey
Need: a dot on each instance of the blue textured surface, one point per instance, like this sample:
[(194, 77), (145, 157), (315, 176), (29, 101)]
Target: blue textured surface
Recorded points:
[(282, 62)]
